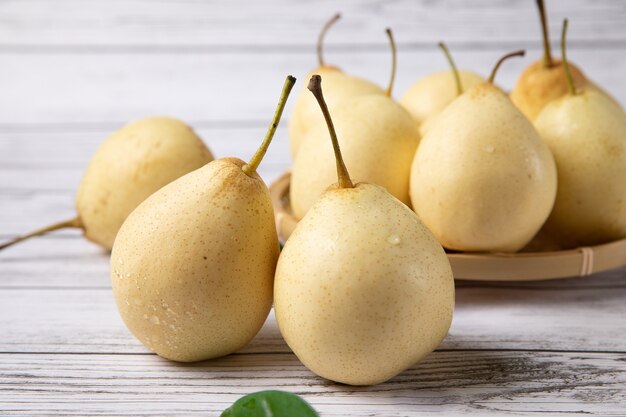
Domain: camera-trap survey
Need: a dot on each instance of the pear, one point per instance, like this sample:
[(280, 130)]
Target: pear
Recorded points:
[(193, 266), (341, 86), (430, 95), (544, 80), (586, 132), (362, 290), (130, 165), (378, 138), (482, 178)]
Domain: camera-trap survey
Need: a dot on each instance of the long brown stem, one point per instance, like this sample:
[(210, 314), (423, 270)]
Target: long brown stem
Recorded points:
[(455, 71), (320, 38), (72, 223), (547, 53), (568, 74), (501, 60), (394, 60), (315, 86), (250, 167)]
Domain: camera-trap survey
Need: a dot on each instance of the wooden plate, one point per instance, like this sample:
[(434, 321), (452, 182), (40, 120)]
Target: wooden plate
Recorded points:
[(526, 266)]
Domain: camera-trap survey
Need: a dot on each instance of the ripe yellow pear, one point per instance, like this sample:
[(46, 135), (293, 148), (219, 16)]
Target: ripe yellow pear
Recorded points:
[(193, 266), (340, 86), (586, 132), (482, 178), (362, 290), (378, 140), (130, 165)]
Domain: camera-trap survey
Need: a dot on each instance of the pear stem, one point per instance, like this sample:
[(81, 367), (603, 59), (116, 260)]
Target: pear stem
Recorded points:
[(501, 60), (72, 223), (568, 74), (320, 38), (547, 52), (315, 86), (394, 60), (250, 168), (455, 71)]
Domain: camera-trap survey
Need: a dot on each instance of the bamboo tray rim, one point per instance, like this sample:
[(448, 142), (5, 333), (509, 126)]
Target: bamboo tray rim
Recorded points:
[(526, 266)]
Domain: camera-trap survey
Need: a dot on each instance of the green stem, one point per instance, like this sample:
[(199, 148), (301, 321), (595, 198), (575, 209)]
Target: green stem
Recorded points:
[(501, 60), (315, 86), (320, 38), (250, 167), (568, 74), (394, 60), (547, 53), (72, 223), (455, 71)]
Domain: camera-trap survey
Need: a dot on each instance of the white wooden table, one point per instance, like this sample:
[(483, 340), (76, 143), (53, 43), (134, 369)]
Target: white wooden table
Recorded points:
[(73, 71)]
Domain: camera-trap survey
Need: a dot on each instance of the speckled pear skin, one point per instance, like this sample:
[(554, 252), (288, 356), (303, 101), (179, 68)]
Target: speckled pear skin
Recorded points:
[(482, 178), (193, 266), (130, 165), (378, 139), (587, 135), (363, 290), (431, 94), (338, 86)]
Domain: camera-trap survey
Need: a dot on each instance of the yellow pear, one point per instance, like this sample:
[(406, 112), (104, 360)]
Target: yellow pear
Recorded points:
[(362, 290), (193, 266), (340, 86), (130, 165), (378, 139), (482, 178), (586, 132)]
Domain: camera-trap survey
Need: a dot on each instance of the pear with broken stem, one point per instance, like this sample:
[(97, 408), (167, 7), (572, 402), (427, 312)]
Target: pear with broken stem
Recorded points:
[(587, 135), (482, 178), (193, 266), (340, 86), (130, 165), (378, 138), (362, 290)]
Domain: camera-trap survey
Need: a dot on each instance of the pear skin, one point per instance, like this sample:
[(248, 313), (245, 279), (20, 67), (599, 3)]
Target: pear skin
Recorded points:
[(129, 166), (363, 290), (193, 266), (482, 178), (586, 132)]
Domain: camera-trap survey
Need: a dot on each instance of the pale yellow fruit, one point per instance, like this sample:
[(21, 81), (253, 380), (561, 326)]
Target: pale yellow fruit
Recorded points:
[(430, 95), (193, 266), (482, 178), (363, 290), (587, 135), (130, 165), (338, 86), (378, 139)]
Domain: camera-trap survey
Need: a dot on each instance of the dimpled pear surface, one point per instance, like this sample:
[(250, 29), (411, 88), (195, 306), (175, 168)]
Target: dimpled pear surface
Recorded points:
[(362, 290), (378, 139), (193, 266), (587, 135), (130, 165), (482, 178), (338, 86)]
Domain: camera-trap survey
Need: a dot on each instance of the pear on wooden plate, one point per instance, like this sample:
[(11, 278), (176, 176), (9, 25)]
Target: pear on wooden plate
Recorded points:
[(362, 290), (193, 266), (130, 165)]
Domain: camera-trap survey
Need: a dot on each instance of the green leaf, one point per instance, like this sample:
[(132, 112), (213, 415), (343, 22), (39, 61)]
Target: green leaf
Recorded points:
[(270, 404)]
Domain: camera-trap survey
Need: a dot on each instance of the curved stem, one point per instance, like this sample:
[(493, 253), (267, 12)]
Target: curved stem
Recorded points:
[(455, 71), (320, 38), (547, 53), (72, 223), (315, 86), (501, 60), (394, 59), (250, 167), (568, 74)]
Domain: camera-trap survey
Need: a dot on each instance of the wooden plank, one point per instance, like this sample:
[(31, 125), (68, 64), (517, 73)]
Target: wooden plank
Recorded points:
[(279, 23), (238, 89), (450, 383)]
